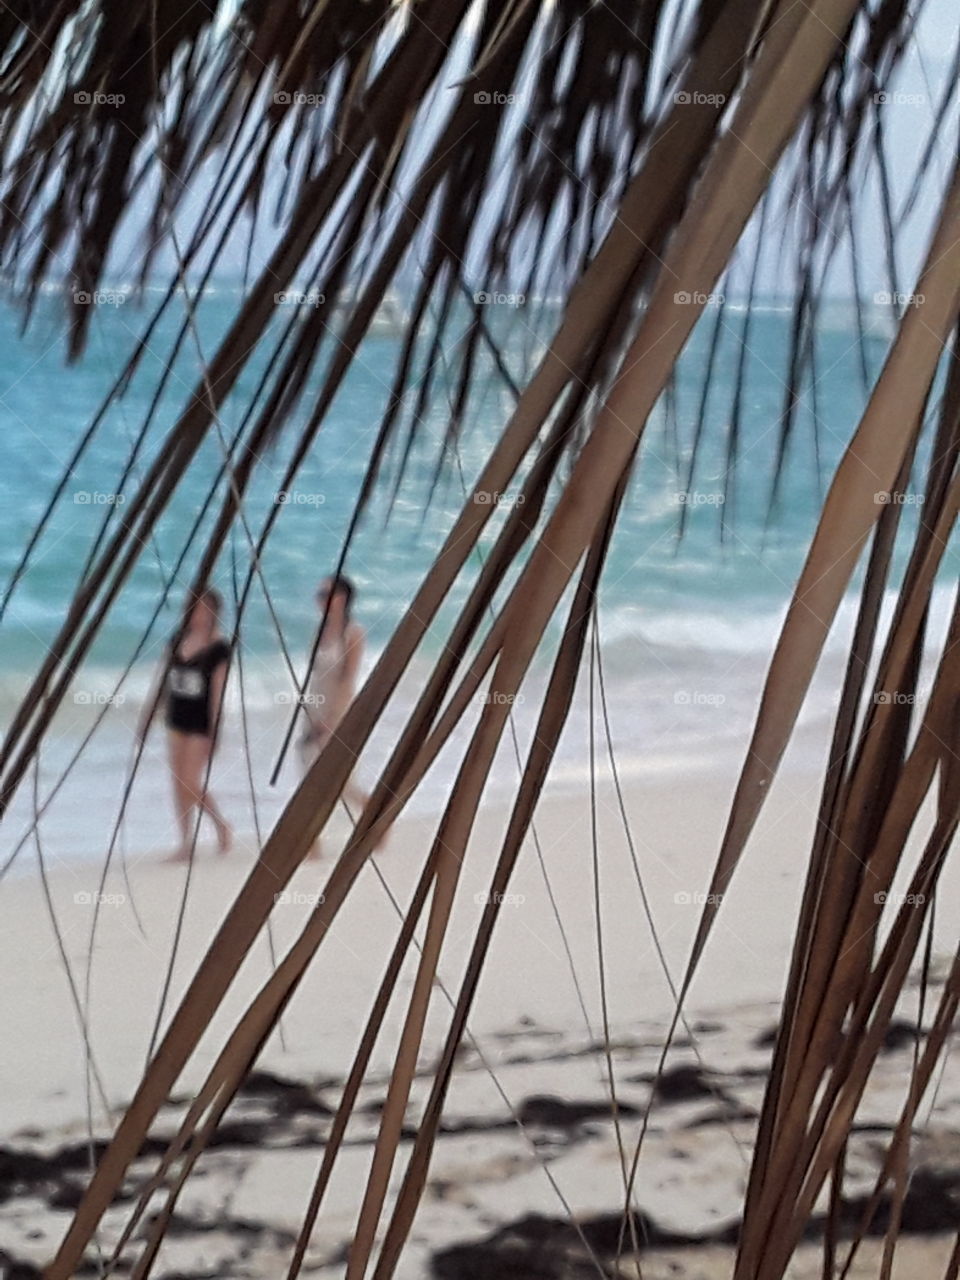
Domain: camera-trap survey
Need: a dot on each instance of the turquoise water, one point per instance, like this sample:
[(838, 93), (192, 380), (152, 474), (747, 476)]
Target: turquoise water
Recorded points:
[(677, 615), (46, 406)]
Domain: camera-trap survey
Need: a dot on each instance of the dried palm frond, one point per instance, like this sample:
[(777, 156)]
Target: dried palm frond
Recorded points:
[(621, 156)]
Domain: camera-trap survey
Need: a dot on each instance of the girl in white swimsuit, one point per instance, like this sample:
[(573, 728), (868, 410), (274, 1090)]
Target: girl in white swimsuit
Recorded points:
[(333, 680)]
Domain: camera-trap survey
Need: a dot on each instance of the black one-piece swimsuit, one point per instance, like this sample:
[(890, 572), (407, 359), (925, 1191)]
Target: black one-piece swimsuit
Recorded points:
[(188, 688)]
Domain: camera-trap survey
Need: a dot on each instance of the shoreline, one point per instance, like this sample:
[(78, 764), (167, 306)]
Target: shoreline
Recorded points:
[(148, 824)]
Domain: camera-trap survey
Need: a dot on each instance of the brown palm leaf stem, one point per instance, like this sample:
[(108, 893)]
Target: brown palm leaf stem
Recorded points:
[(761, 69)]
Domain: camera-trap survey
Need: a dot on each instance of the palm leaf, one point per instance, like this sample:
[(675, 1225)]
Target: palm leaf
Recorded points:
[(406, 164)]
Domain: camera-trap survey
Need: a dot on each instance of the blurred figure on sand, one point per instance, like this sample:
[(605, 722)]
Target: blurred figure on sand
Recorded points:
[(191, 686), (333, 677)]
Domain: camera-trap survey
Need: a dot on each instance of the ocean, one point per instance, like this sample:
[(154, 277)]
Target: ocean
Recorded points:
[(686, 625)]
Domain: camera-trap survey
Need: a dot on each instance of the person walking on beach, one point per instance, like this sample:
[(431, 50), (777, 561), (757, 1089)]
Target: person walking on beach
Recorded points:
[(333, 677), (194, 677)]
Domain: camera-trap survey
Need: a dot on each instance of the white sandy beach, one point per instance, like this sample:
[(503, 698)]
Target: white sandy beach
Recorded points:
[(529, 976), (527, 1021)]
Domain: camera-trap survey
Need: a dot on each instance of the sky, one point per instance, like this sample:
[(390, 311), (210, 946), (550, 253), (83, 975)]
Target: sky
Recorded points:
[(907, 115)]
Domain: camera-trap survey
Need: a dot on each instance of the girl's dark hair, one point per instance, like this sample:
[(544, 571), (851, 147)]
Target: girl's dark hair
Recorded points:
[(209, 596), (206, 595), (342, 586)]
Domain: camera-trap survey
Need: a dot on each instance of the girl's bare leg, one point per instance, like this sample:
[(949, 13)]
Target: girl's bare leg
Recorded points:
[(355, 799), (224, 830), (200, 748), (189, 760), (183, 800), (310, 748)]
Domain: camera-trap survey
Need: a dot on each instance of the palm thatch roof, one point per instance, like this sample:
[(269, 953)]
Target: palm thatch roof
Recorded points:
[(623, 157)]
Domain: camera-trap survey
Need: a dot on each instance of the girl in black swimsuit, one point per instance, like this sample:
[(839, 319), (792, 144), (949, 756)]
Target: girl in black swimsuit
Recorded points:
[(194, 675)]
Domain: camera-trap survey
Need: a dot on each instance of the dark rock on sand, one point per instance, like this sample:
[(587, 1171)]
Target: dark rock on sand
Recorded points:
[(67, 1196), (20, 1171), (241, 1133), (532, 1248), (287, 1097), (900, 1035), (540, 1248), (31, 1173), (684, 1084), (725, 1114), (932, 1204), (183, 1225), (11, 1269), (766, 1039), (557, 1113)]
